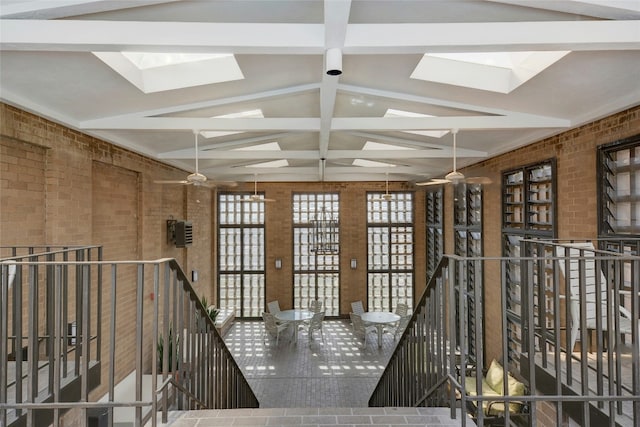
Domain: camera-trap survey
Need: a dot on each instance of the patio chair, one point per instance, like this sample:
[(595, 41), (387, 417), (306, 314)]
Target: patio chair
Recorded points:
[(271, 327), (586, 250), (315, 324), (360, 330), (402, 310), (315, 306), (274, 307), (357, 308)]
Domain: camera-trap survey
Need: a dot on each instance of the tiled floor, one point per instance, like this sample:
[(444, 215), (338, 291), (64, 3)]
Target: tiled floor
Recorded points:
[(325, 384), (333, 373)]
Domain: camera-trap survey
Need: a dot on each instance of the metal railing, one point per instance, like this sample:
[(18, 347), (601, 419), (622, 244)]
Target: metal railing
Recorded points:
[(72, 327), (432, 367)]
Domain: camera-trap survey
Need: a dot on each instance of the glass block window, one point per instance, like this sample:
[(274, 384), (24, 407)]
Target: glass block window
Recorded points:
[(241, 257), (435, 240), (390, 244), (467, 213), (528, 209), (619, 195), (315, 275)]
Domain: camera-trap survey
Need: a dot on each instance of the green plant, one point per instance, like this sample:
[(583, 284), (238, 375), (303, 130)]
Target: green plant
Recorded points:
[(172, 349), (212, 312)]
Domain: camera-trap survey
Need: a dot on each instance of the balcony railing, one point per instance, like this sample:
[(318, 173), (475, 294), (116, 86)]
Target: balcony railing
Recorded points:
[(73, 326), (531, 336)]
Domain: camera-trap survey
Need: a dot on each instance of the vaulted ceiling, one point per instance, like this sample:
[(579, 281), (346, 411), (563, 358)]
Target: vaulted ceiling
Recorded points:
[(249, 78)]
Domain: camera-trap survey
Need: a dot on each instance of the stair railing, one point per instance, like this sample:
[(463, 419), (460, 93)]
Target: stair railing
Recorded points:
[(75, 329)]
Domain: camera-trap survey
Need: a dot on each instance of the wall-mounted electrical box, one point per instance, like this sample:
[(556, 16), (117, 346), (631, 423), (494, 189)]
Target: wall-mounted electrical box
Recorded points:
[(179, 233)]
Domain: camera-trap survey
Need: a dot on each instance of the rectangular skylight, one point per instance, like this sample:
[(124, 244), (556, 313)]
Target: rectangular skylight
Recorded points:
[(399, 113), (157, 72), (253, 114), (492, 71), (272, 164)]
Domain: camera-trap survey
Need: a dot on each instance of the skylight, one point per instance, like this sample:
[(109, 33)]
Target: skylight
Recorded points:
[(399, 113), (269, 146), (372, 164), (249, 114), (492, 71), (370, 146), (157, 72), (271, 164)]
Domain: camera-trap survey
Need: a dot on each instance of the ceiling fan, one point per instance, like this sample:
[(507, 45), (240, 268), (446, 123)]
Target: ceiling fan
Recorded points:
[(455, 177), (196, 178), (386, 196), (255, 197)]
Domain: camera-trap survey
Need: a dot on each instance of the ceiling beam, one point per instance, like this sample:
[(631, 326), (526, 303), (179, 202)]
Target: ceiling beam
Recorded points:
[(308, 170), (305, 39), (64, 8), (312, 124), (605, 9), (445, 152)]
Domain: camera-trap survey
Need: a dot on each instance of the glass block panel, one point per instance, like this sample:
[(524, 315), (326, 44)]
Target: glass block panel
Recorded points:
[(315, 273), (229, 292), (253, 295)]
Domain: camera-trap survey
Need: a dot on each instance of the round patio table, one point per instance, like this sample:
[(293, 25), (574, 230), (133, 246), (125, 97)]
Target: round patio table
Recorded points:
[(295, 317), (379, 319)]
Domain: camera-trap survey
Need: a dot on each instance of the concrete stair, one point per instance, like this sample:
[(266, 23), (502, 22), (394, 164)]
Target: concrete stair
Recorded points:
[(318, 417)]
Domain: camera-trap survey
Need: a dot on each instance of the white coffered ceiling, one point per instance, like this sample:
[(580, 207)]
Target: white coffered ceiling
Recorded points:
[(267, 107)]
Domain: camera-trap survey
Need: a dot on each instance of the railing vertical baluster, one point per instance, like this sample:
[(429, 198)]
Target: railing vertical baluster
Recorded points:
[(99, 307), (557, 342), (635, 333), (56, 336), (4, 335), (112, 341), (32, 346), (139, 340), (86, 335), (65, 313), (170, 351), (49, 283)]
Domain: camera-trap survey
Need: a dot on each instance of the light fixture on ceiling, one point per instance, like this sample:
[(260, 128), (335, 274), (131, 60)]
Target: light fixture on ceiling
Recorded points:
[(386, 197), (255, 197), (324, 228), (333, 59), (454, 177), (324, 234)]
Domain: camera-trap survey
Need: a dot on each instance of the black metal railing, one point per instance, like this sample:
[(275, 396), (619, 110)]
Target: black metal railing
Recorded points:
[(75, 330), (432, 367)]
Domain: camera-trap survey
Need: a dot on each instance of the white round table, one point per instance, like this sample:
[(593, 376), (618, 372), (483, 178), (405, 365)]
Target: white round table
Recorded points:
[(379, 319), (294, 317)]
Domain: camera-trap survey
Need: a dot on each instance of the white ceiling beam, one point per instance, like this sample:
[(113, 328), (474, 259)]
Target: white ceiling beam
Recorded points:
[(442, 123), (258, 38), (222, 145), (605, 9), (260, 155), (477, 36), (205, 124), (286, 91), (308, 170), (65, 8), (336, 20), (374, 137), (187, 37), (313, 124)]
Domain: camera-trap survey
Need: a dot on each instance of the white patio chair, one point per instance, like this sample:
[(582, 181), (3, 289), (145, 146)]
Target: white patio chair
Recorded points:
[(402, 310), (587, 250), (274, 307), (315, 306), (357, 308), (315, 324), (360, 330), (271, 327)]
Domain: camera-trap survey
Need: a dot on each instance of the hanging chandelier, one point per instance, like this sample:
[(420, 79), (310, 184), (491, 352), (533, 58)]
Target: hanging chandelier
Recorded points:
[(324, 234)]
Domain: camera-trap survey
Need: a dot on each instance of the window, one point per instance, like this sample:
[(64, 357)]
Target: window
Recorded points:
[(315, 275), (528, 209), (435, 242), (467, 226), (619, 195), (390, 270), (241, 256)]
